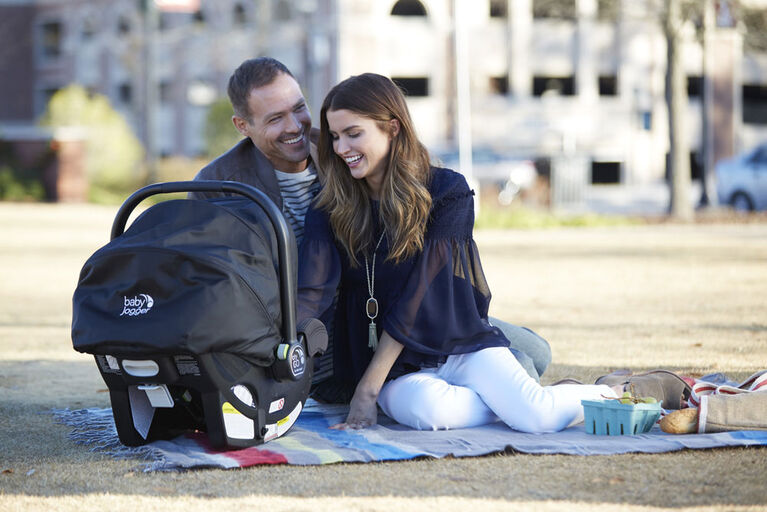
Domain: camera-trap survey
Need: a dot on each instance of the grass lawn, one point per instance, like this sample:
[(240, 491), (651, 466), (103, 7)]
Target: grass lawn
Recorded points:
[(687, 297)]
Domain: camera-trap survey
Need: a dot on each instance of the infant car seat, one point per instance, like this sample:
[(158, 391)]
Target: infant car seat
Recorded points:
[(190, 315)]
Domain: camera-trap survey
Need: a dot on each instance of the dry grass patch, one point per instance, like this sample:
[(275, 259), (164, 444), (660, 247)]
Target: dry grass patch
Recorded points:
[(686, 297)]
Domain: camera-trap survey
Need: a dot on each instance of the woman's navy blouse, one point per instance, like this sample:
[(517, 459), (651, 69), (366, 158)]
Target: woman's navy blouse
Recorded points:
[(434, 303)]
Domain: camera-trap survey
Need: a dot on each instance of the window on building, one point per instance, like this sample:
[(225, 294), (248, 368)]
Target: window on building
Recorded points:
[(498, 9), (695, 87), (608, 10), (165, 92), (125, 93), (554, 9), (645, 120), (696, 169), (755, 104), (239, 15), (605, 172), (199, 17), (52, 35), (562, 85), (696, 165), (413, 86), (282, 11), (499, 84), (123, 26), (89, 29), (408, 8), (608, 85), (48, 93)]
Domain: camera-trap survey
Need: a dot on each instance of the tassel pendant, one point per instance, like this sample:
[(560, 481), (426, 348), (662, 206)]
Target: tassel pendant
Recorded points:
[(371, 305), (372, 336)]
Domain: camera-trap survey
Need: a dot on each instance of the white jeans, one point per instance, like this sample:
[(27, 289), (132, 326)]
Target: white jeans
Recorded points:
[(482, 387)]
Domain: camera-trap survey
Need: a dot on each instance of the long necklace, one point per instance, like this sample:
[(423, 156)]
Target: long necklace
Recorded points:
[(371, 306)]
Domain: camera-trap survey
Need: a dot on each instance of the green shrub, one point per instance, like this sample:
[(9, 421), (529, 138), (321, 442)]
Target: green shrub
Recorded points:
[(113, 154), (166, 169), (19, 188), (21, 178), (178, 168), (220, 133)]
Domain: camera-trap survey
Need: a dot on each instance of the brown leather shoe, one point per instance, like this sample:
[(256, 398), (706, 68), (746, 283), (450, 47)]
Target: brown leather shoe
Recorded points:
[(568, 380), (614, 378), (663, 385)]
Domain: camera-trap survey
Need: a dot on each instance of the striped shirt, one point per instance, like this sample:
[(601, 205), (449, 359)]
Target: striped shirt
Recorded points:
[(298, 190)]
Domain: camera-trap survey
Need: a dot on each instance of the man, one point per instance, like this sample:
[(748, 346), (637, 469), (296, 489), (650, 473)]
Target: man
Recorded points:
[(277, 157)]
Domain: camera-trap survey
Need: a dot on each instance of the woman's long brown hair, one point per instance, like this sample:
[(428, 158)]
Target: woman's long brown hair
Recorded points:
[(405, 201)]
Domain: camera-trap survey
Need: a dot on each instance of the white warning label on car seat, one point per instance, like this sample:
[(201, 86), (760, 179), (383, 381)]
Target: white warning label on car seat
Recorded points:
[(277, 429), (236, 424), (277, 405)]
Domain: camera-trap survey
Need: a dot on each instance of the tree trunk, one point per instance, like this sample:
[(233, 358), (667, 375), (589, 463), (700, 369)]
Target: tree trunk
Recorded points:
[(708, 196), (676, 101)]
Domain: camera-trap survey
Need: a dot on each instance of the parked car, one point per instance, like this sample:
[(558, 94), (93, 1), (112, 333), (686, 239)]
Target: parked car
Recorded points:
[(521, 177), (511, 174), (742, 180)]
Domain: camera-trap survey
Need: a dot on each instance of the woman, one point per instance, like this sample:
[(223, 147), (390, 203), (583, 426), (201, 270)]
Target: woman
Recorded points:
[(411, 330)]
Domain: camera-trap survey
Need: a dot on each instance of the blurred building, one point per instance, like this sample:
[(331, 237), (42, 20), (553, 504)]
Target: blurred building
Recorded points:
[(584, 76)]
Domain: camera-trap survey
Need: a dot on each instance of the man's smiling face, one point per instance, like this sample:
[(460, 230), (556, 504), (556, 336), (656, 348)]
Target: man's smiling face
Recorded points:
[(279, 123)]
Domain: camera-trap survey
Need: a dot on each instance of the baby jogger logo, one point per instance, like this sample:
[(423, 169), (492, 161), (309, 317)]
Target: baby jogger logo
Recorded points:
[(137, 305)]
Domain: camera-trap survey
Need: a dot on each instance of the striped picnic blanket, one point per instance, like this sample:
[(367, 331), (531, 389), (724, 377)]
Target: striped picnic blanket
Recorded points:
[(311, 442)]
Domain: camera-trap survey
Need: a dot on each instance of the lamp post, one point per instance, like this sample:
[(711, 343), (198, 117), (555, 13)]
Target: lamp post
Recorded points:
[(150, 88), (152, 9), (314, 53), (708, 196), (463, 95)]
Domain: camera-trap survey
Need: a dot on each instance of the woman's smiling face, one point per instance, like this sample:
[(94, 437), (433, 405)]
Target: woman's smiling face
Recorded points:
[(363, 145)]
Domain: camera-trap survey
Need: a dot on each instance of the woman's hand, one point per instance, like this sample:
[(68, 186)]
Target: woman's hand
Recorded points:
[(363, 411)]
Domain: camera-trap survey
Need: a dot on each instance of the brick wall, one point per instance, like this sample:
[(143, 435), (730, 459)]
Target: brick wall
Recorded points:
[(16, 63)]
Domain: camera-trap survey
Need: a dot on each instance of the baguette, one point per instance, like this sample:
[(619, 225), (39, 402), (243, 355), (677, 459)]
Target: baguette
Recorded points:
[(683, 421)]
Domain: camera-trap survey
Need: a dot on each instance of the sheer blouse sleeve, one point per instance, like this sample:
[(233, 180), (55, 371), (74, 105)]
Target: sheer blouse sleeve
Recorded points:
[(319, 268), (442, 307)]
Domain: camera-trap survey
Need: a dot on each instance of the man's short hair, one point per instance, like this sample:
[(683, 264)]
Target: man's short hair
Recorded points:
[(252, 74)]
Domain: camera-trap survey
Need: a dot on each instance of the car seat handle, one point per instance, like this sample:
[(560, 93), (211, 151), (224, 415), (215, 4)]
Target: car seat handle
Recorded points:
[(281, 230)]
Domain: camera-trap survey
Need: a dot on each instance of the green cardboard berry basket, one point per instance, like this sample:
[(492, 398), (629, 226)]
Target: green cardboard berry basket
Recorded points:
[(612, 418)]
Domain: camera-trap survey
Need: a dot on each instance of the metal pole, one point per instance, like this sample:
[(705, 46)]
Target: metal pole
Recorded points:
[(463, 94), (708, 196), (150, 88)]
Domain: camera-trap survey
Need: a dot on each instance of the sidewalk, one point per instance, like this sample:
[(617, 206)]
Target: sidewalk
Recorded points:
[(650, 199)]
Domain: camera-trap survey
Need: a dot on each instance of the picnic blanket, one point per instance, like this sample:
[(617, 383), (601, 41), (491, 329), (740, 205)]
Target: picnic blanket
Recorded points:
[(311, 442)]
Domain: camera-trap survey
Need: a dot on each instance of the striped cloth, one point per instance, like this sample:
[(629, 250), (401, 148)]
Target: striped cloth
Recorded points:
[(722, 386), (311, 442), (298, 190)]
